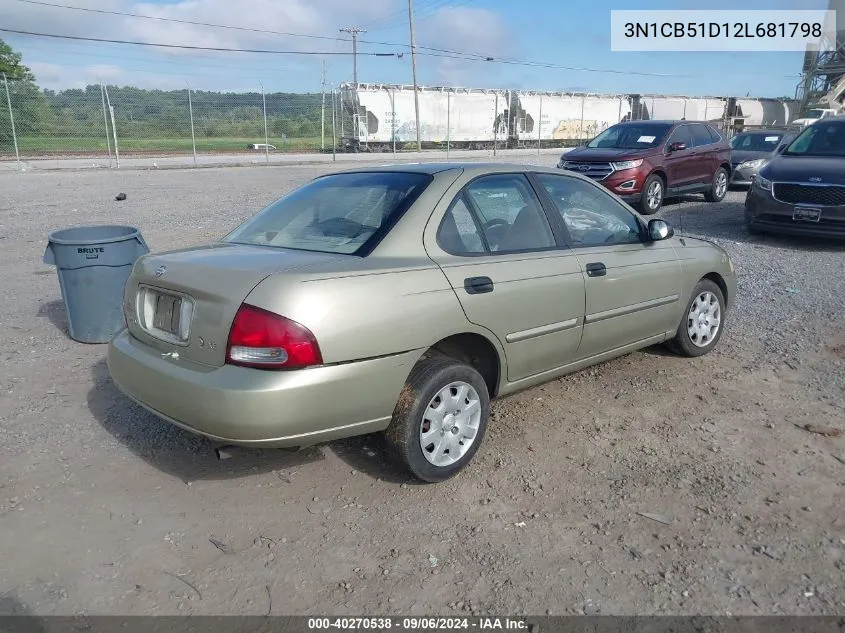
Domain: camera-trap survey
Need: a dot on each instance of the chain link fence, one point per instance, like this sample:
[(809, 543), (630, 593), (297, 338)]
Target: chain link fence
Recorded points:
[(107, 124)]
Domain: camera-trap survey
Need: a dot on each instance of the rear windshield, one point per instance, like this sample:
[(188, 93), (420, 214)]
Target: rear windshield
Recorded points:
[(631, 136), (340, 213), (756, 142), (825, 138)]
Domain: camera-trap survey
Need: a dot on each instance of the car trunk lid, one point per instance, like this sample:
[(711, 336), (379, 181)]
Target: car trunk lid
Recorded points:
[(183, 302)]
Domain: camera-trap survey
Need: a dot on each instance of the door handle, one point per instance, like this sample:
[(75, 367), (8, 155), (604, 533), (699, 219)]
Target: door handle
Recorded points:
[(478, 285), (596, 269)]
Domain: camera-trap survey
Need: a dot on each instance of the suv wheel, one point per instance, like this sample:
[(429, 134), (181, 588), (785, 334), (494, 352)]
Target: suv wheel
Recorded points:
[(720, 186), (440, 419), (652, 198)]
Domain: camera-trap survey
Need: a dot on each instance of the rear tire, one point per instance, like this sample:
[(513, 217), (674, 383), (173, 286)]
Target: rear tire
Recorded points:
[(719, 188), (703, 323), (652, 198), (440, 419)]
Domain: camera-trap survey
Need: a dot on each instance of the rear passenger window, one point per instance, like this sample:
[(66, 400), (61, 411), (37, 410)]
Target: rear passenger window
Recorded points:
[(458, 233), (496, 214), (509, 213), (701, 135), (681, 135), (714, 134)]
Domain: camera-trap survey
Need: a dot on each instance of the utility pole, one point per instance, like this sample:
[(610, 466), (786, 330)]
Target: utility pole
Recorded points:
[(414, 70), (323, 110), (354, 31)]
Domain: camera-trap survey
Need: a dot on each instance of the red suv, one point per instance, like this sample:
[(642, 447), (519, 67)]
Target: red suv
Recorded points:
[(644, 162)]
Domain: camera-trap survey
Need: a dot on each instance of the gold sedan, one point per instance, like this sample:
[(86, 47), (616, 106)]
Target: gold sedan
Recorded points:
[(402, 299)]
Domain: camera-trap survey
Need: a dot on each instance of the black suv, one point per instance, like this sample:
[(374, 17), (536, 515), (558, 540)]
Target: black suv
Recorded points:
[(802, 189)]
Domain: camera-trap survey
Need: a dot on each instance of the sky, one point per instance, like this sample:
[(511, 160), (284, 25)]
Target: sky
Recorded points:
[(571, 33)]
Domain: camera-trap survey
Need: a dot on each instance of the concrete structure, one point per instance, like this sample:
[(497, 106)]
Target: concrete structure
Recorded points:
[(823, 83)]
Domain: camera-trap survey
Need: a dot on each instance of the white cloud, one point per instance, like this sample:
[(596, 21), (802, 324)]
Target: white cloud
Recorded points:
[(48, 75), (471, 30), (44, 19), (309, 17), (58, 77), (120, 63), (105, 72)]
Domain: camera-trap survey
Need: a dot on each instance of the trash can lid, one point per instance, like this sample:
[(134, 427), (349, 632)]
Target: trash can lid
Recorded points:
[(102, 234)]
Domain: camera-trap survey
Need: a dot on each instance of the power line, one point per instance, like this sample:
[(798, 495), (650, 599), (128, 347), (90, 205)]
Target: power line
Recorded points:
[(401, 17), (533, 64), (239, 28), (188, 47), (229, 71), (468, 55), (443, 53), (426, 12), (179, 21), (277, 52), (400, 13), (449, 53)]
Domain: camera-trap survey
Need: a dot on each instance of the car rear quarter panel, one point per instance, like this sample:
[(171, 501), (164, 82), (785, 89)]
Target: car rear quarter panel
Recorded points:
[(387, 307)]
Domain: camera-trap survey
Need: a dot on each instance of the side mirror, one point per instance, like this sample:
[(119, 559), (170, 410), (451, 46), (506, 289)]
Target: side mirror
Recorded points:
[(677, 147), (781, 147), (659, 230)]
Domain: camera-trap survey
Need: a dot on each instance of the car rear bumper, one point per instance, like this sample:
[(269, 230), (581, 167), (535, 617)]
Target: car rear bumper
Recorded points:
[(254, 407), (764, 213)]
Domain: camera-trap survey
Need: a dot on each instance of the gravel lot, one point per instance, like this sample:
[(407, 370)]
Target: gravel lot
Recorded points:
[(106, 510)]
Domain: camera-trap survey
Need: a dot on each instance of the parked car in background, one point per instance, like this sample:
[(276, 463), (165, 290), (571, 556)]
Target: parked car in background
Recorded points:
[(816, 114), (802, 189), (644, 162), (261, 146), (751, 150), (402, 299)]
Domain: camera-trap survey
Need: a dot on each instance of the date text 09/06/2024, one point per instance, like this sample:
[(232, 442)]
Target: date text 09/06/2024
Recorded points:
[(417, 624), (724, 30)]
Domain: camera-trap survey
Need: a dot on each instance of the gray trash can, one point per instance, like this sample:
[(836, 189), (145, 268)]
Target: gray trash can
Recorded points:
[(93, 264)]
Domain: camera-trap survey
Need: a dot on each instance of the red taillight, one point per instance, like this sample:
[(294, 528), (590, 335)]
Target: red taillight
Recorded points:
[(260, 338)]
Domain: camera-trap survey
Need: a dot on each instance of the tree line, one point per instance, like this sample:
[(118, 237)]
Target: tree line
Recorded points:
[(144, 113), (141, 113)]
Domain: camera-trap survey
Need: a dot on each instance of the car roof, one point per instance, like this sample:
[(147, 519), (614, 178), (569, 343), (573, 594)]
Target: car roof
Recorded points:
[(761, 132), (432, 168)]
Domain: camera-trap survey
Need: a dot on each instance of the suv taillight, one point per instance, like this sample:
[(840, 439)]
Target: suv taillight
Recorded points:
[(266, 340)]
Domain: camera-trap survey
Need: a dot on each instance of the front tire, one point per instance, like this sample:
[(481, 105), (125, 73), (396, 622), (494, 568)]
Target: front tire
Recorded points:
[(653, 192), (719, 189), (703, 322), (440, 419)]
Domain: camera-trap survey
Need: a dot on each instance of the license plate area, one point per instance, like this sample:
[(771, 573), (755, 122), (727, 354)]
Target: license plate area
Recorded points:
[(806, 214), (165, 315)]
